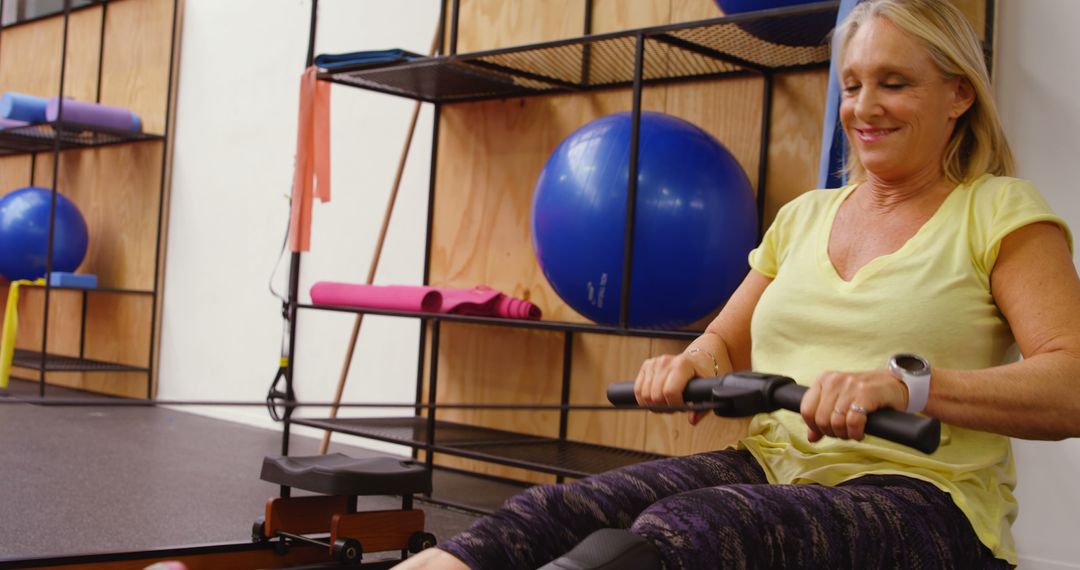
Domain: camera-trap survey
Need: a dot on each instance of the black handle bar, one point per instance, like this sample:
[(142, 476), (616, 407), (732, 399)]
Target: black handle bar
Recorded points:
[(741, 394)]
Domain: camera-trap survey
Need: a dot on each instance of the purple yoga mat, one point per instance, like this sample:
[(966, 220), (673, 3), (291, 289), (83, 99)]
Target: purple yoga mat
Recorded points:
[(93, 114)]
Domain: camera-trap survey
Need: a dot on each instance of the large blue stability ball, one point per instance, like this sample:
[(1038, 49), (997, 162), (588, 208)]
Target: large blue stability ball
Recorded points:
[(696, 221), (798, 31), (24, 234)]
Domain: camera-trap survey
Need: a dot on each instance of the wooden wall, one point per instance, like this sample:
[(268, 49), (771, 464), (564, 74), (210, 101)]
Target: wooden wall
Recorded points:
[(489, 156), (117, 188)]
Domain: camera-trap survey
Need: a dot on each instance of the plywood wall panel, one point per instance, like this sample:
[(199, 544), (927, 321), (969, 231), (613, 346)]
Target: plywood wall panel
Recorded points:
[(501, 365), (14, 172), (598, 361), (613, 15), (728, 110), (120, 384), (120, 204), (84, 47), (64, 307), (691, 10), (795, 137), (975, 10), (135, 70), (493, 24), (619, 15), (30, 58)]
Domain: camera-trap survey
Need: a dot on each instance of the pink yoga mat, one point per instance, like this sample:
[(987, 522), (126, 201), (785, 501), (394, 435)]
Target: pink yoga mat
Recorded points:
[(481, 301)]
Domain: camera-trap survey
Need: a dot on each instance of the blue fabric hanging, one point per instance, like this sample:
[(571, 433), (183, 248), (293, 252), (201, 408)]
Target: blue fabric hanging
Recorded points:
[(833, 145)]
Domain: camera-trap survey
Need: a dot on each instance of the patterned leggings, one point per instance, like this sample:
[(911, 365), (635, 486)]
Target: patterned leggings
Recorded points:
[(716, 510)]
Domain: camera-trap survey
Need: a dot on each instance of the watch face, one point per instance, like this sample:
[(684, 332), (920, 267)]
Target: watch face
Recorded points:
[(910, 363)]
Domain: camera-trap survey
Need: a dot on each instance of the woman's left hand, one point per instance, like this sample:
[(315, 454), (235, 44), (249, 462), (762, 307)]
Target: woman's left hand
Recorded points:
[(837, 404)]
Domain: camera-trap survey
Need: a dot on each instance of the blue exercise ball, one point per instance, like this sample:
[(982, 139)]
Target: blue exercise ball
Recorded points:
[(797, 31), (24, 234), (695, 222)]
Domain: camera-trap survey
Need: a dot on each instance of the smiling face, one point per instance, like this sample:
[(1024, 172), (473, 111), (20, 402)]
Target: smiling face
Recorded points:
[(898, 109)]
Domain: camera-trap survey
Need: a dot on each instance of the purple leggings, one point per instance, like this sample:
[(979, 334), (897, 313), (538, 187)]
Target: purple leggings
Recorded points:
[(716, 510)]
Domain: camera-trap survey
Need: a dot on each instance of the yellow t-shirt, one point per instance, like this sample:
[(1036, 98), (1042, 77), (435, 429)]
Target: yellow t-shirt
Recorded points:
[(931, 297)]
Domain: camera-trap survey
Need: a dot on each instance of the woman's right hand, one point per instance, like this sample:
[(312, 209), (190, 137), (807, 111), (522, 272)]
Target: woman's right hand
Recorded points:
[(662, 379)]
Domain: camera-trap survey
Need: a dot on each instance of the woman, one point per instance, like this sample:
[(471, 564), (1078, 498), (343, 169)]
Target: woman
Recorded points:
[(932, 251)]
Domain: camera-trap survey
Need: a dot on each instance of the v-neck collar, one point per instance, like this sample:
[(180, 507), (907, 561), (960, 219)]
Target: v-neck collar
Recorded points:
[(878, 263)]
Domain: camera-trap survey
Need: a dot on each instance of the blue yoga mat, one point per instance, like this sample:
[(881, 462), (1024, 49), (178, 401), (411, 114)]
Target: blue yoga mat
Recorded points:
[(335, 61)]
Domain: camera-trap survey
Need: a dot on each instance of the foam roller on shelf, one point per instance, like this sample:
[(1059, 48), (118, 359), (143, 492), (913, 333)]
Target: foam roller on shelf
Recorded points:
[(93, 114), (22, 107)]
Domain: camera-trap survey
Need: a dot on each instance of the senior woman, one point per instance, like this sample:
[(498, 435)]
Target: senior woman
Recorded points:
[(905, 289)]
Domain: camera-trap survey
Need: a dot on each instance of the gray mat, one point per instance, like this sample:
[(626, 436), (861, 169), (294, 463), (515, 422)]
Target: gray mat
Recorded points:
[(83, 480)]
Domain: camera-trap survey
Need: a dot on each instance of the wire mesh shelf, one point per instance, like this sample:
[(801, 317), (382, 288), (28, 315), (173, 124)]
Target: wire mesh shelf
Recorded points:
[(43, 137), (559, 457), (558, 326), (59, 363), (113, 290), (697, 50)]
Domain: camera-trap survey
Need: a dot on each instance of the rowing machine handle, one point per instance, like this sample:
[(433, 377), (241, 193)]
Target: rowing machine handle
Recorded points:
[(748, 393)]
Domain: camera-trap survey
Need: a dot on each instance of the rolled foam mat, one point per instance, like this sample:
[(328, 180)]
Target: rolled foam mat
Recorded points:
[(93, 114), (22, 107)]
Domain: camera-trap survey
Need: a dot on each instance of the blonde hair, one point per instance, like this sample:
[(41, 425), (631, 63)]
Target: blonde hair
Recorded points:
[(977, 144)]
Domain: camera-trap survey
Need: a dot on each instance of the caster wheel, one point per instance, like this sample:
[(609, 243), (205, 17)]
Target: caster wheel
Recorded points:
[(258, 531), (348, 550), (421, 541)]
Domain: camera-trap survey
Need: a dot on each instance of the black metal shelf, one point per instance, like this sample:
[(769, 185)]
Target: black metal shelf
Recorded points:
[(59, 363), (694, 51), (110, 290), (548, 455), (698, 50), (42, 137), (556, 326)]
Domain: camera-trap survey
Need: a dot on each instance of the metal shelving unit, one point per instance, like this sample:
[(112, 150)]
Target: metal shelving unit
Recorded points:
[(59, 363), (56, 137), (547, 455), (555, 326), (44, 137), (695, 51)]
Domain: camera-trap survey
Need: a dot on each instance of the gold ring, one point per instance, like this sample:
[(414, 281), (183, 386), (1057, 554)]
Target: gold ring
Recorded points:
[(858, 409)]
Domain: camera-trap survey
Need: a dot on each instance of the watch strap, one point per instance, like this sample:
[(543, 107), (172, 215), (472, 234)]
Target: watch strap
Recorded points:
[(918, 383), (918, 389)]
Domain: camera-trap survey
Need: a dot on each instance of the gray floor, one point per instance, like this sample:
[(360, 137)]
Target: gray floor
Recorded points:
[(79, 480)]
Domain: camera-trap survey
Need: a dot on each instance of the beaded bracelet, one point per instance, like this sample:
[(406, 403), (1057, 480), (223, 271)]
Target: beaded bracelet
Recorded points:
[(715, 365)]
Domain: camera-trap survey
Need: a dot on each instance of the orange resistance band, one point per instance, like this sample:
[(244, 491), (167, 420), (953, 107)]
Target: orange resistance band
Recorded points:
[(312, 177)]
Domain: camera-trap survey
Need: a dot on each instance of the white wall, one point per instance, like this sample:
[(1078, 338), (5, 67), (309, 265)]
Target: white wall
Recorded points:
[(1037, 89), (233, 166), (235, 140)]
